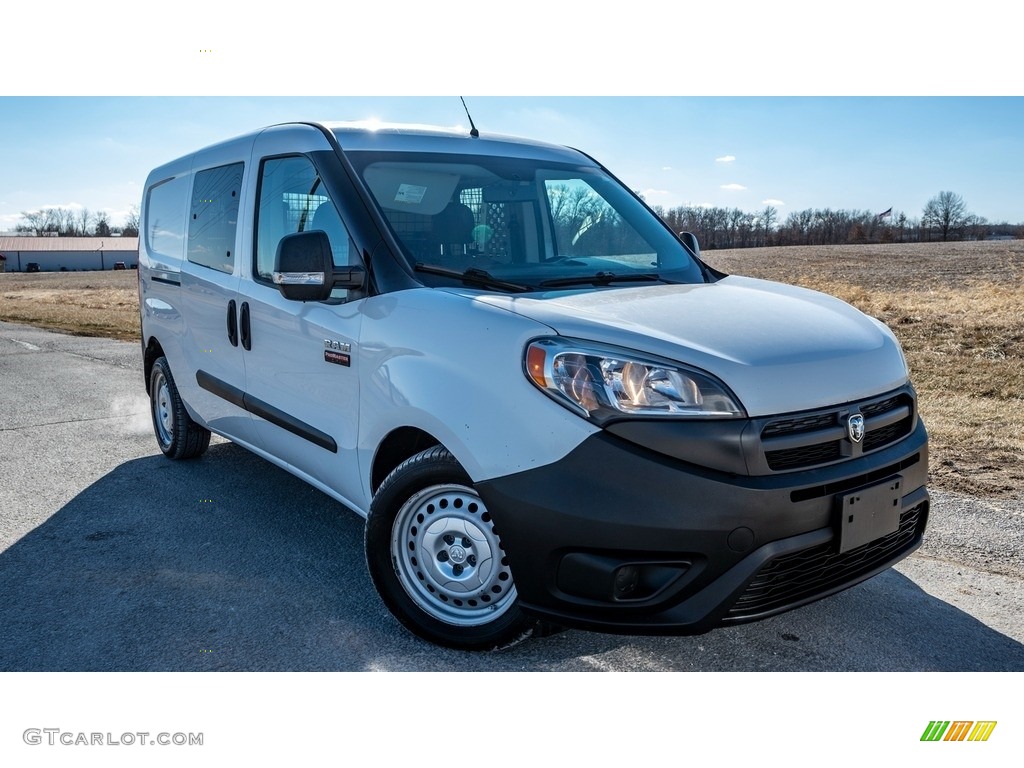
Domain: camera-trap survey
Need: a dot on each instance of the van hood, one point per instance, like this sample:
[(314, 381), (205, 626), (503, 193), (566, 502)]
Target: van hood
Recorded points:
[(779, 348)]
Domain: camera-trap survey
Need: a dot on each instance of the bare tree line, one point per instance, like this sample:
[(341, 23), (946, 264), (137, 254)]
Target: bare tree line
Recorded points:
[(945, 217), (70, 222)]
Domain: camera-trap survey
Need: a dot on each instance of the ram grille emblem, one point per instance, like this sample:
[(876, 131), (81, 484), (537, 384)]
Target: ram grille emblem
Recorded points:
[(855, 427)]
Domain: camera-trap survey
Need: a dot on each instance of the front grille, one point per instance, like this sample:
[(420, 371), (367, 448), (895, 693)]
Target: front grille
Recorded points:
[(808, 456), (795, 578), (813, 439), (874, 409), (796, 426), (877, 438)]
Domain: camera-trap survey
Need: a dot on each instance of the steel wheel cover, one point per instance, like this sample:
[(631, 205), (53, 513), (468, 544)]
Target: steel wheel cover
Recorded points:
[(448, 557), (163, 411)]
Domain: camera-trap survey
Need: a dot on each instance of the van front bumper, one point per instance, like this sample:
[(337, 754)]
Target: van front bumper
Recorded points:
[(619, 538)]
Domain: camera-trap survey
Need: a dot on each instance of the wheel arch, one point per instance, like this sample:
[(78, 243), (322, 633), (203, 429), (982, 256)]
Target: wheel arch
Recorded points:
[(397, 446), (152, 353)]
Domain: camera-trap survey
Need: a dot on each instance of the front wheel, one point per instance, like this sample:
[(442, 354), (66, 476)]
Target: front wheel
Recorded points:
[(436, 559), (177, 434)]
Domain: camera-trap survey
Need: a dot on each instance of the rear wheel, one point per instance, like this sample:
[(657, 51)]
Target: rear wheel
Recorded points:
[(178, 436), (436, 559)]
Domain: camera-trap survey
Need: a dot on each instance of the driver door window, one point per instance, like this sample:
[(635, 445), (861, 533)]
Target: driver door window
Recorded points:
[(294, 199)]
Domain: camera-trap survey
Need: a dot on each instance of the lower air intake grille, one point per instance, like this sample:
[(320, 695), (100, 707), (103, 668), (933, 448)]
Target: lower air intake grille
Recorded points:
[(793, 578)]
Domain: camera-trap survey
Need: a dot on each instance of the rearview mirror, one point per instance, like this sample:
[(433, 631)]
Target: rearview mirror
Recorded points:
[(510, 192)]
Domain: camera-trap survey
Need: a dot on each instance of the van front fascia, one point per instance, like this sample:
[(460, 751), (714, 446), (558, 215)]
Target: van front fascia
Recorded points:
[(699, 538)]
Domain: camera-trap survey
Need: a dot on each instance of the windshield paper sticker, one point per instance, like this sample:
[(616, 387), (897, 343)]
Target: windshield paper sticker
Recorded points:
[(412, 194)]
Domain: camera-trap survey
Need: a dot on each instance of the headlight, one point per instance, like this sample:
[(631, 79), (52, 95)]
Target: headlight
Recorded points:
[(603, 383)]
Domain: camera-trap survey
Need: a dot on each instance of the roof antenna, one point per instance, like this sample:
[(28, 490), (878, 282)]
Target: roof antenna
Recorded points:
[(472, 128)]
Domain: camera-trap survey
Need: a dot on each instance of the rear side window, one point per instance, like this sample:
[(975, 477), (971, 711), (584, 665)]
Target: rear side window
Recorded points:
[(213, 221), (164, 228)]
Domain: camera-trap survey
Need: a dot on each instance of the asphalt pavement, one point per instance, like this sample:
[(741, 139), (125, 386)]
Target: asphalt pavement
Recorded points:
[(114, 558)]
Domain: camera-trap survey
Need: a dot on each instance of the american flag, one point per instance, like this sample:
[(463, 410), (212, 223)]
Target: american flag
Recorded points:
[(883, 214)]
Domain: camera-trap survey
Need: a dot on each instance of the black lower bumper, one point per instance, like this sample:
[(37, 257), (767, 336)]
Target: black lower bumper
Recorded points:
[(622, 539)]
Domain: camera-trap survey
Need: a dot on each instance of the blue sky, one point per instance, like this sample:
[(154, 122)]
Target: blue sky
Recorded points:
[(746, 152)]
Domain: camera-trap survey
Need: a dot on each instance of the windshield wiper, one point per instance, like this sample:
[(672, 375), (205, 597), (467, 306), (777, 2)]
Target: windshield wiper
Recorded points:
[(473, 276), (604, 278)]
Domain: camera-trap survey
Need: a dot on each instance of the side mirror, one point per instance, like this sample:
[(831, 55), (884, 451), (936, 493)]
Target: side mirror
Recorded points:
[(690, 241), (304, 268)]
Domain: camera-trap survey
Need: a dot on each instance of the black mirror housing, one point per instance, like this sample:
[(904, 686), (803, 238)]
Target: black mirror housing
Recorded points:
[(304, 266)]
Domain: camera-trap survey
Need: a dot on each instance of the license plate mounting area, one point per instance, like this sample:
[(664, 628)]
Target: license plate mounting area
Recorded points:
[(869, 513)]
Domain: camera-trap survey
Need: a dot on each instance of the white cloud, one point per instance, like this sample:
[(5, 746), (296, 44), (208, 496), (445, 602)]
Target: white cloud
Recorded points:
[(117, 216), (733, 187), (725, 159), (772, 201), (652, 195), (666, 167)]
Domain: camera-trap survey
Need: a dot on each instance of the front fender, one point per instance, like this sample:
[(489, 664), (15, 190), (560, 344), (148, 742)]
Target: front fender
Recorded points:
[(452, 366)]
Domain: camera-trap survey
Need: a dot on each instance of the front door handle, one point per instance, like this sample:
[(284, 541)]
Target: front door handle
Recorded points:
[(243, 321), (232, 324)]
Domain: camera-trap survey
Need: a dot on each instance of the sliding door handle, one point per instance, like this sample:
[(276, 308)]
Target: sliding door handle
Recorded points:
[(232, 324), (243, 321)]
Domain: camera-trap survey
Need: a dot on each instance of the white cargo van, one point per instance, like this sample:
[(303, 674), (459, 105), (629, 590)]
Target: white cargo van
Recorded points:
[(545, 405)]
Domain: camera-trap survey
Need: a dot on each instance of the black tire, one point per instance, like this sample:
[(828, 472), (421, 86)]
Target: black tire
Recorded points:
[(178, 436), (436, 560)]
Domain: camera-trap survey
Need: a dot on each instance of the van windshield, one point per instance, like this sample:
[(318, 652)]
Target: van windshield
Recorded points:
[(504, 220)]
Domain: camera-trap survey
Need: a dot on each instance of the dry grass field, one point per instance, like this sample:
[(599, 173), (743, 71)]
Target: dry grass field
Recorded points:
[(82, 303), (957, 308)]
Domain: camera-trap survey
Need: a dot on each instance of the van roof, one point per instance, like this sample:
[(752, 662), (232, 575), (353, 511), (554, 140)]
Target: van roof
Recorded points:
[(376, 136), (399, 137)]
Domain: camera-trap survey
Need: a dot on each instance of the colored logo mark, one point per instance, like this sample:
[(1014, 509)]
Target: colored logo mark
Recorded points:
[(958, 730)]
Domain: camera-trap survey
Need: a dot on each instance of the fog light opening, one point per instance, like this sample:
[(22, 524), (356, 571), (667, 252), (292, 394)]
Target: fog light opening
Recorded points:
[(610, 579), (627, 579)]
